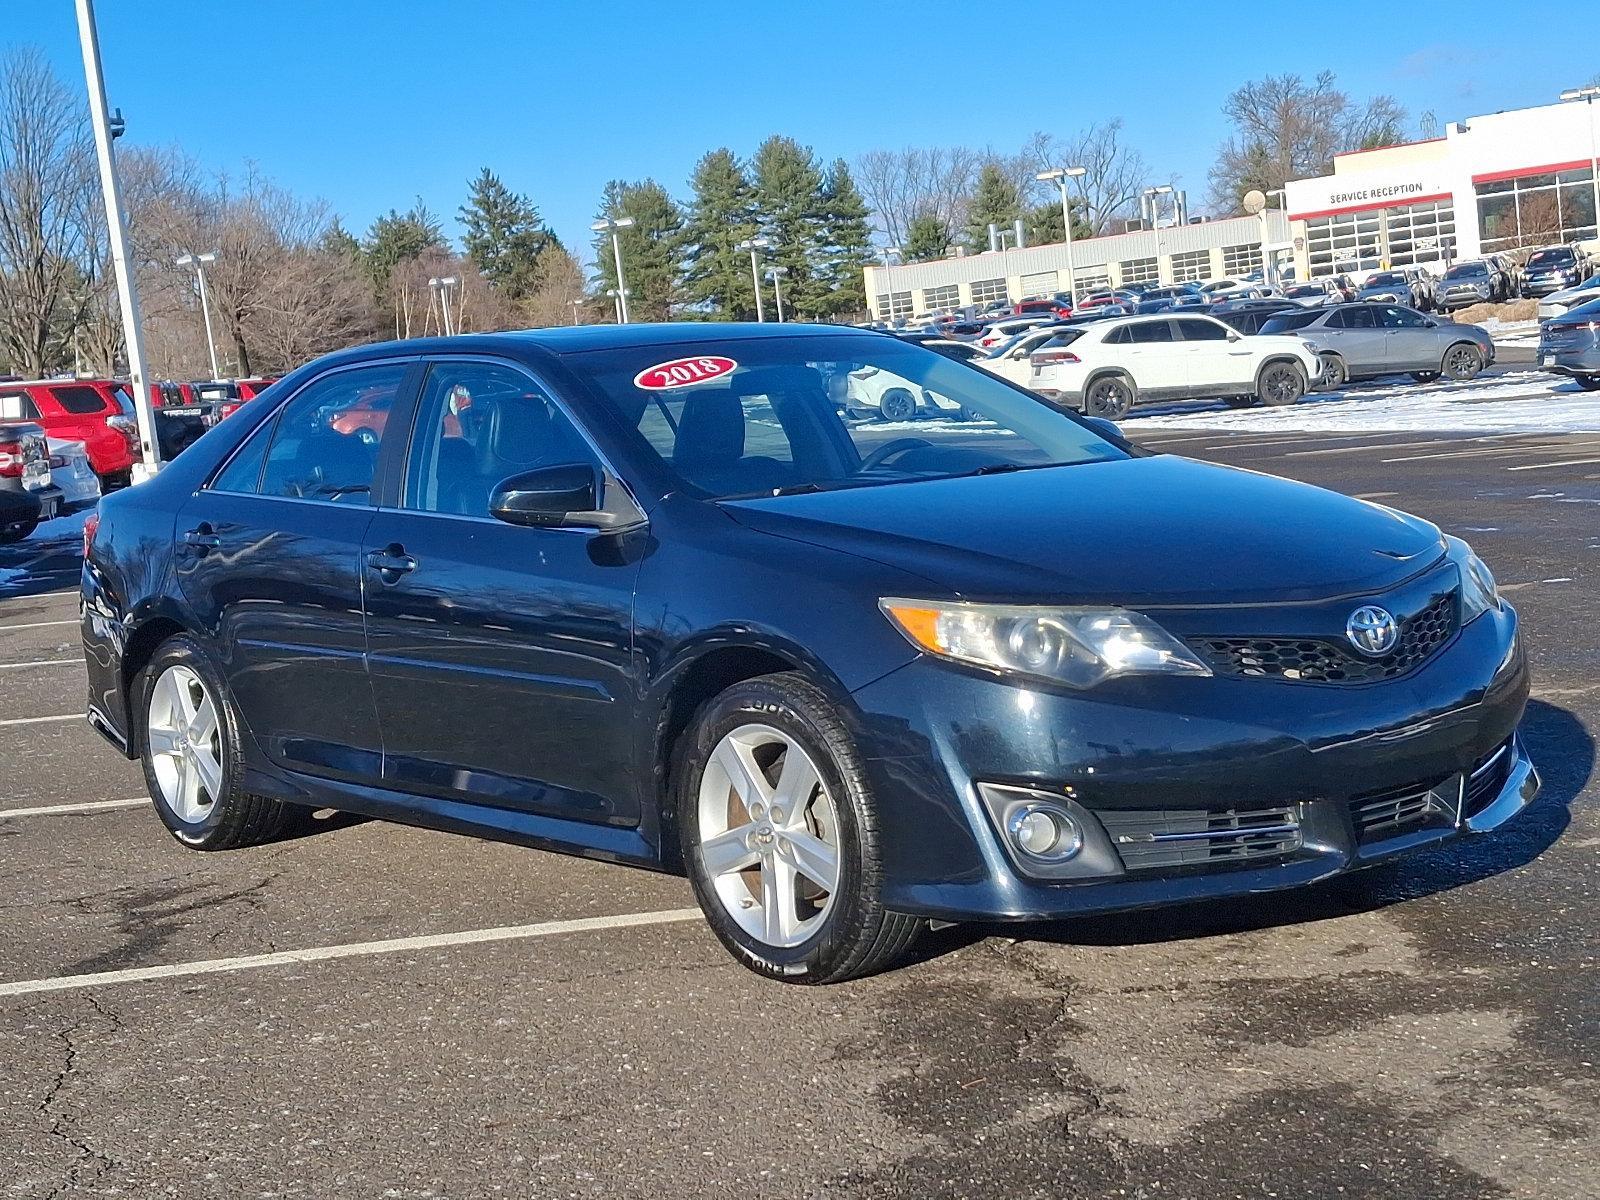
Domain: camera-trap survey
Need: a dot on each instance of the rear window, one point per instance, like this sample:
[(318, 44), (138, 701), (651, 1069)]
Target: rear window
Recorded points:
[(1287, 322), (79, 400)]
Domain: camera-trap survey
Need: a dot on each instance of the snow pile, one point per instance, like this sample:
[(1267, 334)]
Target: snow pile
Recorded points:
[(1515, 402)]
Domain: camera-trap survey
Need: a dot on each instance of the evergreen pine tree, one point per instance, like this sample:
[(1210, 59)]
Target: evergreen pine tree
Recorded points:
[(927, 238), (994, 201), (716, 276), (650, 247), (395, 238), (505, 237), (793, 215), (849, 239)]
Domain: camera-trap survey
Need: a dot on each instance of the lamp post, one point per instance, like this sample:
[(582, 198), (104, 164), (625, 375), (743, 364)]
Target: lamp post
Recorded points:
[(1151, 198), (576, 305), (1059, 177), (754, 245), (1589, 95), (198, 262), (443, 287), (107, 128), (776, 274), (888, 254), (612, 226)]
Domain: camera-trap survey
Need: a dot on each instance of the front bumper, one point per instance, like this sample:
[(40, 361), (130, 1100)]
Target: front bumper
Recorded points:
[(1349, 763)]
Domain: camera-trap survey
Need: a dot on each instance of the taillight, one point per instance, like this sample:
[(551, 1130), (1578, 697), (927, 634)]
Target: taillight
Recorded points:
[(91, 526), (58, 462), (11, 460), (1044, 357)]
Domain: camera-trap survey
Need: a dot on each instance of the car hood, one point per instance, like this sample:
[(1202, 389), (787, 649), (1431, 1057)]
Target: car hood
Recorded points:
[(1149, 531)]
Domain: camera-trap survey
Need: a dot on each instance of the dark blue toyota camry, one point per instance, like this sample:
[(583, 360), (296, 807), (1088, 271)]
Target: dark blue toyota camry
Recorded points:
[(854, 635)]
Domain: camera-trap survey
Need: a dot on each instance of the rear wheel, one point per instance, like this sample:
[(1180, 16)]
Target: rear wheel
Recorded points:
[(780, 835), (1109, 397), (1334, 373), (188, 740), (1589, 383), (1425, 376), (897, 405), (1281, 383), (1462, 362)]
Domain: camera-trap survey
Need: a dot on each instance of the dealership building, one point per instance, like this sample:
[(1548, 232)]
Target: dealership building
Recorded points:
[(1499, 182)]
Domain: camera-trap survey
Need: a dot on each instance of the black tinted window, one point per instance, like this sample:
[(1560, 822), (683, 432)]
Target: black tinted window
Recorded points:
[(1359, 317), (1286, 322), (243, 472), (325, 445), (1150, 331), (480, 424), (1192, 330), (78, 400)]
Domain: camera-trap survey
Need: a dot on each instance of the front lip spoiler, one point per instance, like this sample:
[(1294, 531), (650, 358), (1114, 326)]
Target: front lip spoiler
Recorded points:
[(1521, 786)]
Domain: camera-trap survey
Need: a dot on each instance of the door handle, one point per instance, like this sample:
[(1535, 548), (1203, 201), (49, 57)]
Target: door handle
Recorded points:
[(391, 562), (202, 538)]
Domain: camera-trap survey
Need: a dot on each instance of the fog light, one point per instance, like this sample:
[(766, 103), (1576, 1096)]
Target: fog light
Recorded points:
[(1044, 832)]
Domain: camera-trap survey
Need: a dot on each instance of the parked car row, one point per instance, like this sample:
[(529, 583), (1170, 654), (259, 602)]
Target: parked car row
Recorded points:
[(41, 478)]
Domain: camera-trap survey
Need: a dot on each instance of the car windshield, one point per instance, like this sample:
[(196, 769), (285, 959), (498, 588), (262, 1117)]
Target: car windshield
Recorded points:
[(1306, 289), (1286, 322), (801, 414), (1551, 258), (1385, 278), (1466, 270)]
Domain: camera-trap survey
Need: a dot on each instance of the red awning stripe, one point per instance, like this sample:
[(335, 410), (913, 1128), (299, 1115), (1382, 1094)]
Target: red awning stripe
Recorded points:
[(1524, 172)]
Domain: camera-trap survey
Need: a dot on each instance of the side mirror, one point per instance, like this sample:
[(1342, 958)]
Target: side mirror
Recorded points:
[(568, 495), (1234, 337)]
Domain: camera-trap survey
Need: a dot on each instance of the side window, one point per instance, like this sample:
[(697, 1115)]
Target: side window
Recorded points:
[(1391, 317), (478, 425), (325, 445), (1150, 331), (17, 406), (1360, 317), (243, 472), (1117, 337), (1201, 331), (80, 401), (1337, 319)]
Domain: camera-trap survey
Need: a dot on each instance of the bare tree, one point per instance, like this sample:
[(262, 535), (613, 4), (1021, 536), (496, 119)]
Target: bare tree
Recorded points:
[(1114, 172), (560, 284), (900, 185), (1286, 128), (45, 166)]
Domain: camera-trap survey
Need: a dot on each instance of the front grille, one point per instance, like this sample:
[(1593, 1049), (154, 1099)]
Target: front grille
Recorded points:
[(1151, 838), (1488, 776), (1403, 810), (1315, 660)]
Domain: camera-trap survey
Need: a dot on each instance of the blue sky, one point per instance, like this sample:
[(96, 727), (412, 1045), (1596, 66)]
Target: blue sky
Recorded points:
[(369, 104)]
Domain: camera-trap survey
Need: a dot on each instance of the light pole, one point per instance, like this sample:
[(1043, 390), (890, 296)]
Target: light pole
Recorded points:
[(612, 226), (107, 127), (888, 253), (576, 305), (1151, 197), (619, 298), (776, 274), (755, 245), (198, 262), (1059, 176), (1589, 95), (444, 286)]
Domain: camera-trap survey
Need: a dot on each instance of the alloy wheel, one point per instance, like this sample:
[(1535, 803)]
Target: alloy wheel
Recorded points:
[(1109, 398), (769, 835), (1462, 362), (1334, 374), (185, 739), (1281, 384)]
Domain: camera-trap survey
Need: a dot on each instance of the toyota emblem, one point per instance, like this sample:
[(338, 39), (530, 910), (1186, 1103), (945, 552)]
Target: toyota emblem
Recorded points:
[(1372, 630)]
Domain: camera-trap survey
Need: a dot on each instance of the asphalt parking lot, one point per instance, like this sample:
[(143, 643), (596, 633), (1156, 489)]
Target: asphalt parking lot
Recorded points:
[(1430, 1029)]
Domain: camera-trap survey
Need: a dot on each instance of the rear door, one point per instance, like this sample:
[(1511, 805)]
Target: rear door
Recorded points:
[(1157, 361), (269, 559), (1353, 332), (501, 655)]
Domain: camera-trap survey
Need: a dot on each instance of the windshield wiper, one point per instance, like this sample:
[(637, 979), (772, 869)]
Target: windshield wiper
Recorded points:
[(1007, 468)]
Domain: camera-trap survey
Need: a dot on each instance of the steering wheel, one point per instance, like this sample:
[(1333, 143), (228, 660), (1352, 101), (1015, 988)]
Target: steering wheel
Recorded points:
[(889, 449)]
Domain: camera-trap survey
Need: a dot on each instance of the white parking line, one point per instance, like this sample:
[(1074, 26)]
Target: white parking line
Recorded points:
[(60, 810), (39, 720), (1571, 462), (38, 625), (49, 662), (287, 958)]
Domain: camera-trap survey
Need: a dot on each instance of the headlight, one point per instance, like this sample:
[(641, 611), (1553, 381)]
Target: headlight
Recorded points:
[(1079, 647), (1478, 592)]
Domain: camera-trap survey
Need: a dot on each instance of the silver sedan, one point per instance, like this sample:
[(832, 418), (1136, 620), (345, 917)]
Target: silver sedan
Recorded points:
[(1364, 340)]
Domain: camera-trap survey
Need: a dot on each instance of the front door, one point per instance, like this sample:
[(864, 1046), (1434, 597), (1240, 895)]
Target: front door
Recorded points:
[(1353, 332), (269, 557), (501, 655), (1410, 346), (1216, 366)]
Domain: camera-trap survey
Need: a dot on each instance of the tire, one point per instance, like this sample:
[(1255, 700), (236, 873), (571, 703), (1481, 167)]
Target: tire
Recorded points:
[(231, 818), (17, 533), (1589, 383), (897, 405), (1462, 362), (758, 726), (1334, 373), (1110, 397), (1425, 376), (1280, 383)]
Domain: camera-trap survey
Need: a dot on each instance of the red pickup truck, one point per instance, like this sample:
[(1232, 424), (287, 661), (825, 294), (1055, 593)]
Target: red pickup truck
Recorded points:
[(96, 412)]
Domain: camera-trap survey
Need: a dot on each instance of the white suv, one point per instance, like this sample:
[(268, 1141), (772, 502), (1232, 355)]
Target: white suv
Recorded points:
[(1112, 365)]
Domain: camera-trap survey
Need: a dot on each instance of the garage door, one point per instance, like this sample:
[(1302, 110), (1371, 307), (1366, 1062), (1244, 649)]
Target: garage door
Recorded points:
[(1041, 284)]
